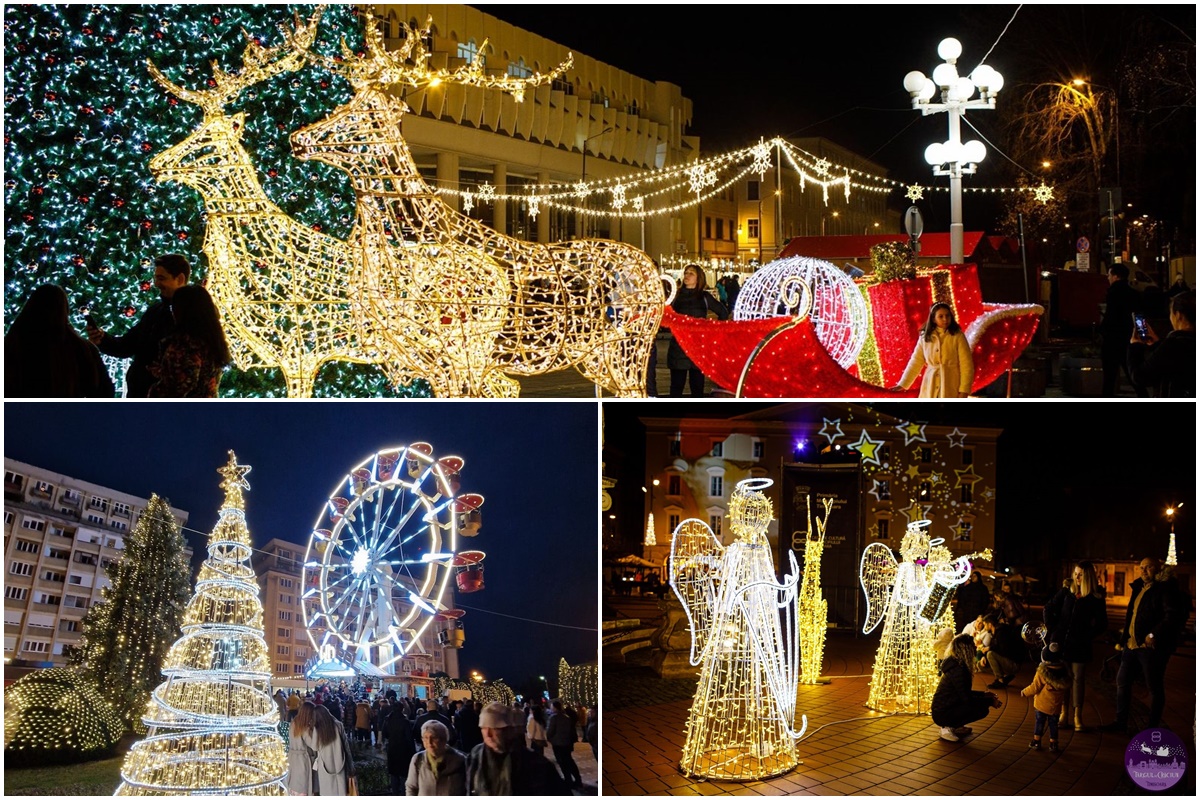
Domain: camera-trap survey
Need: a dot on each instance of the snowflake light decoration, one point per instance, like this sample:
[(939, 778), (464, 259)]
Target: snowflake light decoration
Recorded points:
[(762, 158), (915, 192), (618, 197), (700, 177), (1044, 193), (487, 193)]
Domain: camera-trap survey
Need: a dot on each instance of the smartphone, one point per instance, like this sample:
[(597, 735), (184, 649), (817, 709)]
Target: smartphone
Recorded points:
[(1139, 324)]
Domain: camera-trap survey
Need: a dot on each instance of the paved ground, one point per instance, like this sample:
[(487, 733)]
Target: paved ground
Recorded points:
[(850, 750), (570, 384)]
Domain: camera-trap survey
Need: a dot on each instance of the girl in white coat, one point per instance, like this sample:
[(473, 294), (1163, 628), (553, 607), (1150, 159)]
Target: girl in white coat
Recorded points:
[(945, 353), (333, 761)]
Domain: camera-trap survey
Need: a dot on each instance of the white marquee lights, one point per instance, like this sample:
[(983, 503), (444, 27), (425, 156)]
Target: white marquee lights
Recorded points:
[(954, 158)]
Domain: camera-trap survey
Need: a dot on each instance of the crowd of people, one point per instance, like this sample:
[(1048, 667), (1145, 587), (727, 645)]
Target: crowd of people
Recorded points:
[(432, 747), (1073, 619), (177, 348)]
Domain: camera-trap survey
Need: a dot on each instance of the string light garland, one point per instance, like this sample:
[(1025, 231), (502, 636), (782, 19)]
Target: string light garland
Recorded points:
[(452, 300), (911, 598), (578, 685), (213, 724), (57, 716), (745, 639), (813, 609)]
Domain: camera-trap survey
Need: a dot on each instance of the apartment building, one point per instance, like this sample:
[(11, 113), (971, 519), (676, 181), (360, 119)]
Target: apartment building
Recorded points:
[(59, 535), (278, 568)]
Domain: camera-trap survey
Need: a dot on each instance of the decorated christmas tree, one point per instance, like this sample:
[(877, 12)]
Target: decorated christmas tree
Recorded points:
[(213, 722), (126, 637), (83, 118)]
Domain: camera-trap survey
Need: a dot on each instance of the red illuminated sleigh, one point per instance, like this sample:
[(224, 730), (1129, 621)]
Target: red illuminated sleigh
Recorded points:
[(782, 357)]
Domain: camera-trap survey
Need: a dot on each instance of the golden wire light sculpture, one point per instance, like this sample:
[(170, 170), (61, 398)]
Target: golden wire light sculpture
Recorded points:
[(212, 724), (744, 639), (283, 289), (912, 598), (814, 611), (452, 300)]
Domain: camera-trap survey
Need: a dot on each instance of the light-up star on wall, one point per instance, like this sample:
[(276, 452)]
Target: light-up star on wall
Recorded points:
[(913, 432), (913, 471), (967, 476), (874, 491), (935, 478), (915, 512), (956, 437), (867, 447), (988, 494), (837, 429)]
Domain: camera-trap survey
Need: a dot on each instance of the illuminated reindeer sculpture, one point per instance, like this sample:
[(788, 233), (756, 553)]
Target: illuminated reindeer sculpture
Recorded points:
[(282, 288), (451, 299)]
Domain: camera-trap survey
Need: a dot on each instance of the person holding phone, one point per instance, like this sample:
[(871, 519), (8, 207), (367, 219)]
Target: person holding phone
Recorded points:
[(1168, 366), (141, 343), (1116, 328)]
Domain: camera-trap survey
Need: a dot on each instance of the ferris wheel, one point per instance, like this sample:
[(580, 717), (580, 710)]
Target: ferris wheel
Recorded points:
[(381, 554)]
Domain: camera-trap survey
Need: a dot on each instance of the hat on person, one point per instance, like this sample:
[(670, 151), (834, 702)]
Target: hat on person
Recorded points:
[(494, 715), (1050, 654), (516, 717)]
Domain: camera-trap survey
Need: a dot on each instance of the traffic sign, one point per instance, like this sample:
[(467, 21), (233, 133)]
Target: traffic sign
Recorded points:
[(1082, 245)]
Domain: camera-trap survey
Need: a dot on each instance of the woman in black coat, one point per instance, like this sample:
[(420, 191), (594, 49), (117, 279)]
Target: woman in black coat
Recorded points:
[(954, 702), (693, 300), (1074, 617), (973, 600), (45, 357)]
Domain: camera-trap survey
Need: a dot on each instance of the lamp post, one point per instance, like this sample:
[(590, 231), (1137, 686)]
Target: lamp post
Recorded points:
[(953, 158), (833, 215), (583, 176)]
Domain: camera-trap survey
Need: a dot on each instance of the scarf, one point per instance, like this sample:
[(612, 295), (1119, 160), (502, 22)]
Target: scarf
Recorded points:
[(434, 765)]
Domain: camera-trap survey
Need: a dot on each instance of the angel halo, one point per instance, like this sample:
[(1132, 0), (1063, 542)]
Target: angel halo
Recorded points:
[(745, 641)]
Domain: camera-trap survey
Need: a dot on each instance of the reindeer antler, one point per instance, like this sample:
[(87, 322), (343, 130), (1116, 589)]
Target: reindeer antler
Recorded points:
[(258, 64), (408, 65)]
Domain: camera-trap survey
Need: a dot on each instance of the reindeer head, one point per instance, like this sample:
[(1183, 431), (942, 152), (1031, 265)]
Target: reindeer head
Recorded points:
[(215, 143), (358, 137)]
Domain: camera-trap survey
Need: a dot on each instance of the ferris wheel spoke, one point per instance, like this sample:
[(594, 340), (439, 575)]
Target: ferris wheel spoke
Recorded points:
[(393, 532)]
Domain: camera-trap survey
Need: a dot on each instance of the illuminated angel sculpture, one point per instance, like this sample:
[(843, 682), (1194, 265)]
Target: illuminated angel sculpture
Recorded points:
[(912, 598), (744, 639)]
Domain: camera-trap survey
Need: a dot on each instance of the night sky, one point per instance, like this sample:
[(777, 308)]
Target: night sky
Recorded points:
[(1075, 479), (837, 71), (534, 463)]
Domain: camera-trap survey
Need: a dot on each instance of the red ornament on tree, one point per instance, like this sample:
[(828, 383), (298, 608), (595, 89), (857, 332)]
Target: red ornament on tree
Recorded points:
[(129, 311), (146, 224), (83, 198), (144, 286), (146, 147), (182, 236)]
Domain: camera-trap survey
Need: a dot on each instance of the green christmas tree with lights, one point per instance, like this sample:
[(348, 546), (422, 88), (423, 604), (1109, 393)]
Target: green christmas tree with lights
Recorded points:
[(83, 118), (126, 636)]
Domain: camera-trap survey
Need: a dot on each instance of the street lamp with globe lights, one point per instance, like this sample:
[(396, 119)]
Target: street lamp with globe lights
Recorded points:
[(954, 158)]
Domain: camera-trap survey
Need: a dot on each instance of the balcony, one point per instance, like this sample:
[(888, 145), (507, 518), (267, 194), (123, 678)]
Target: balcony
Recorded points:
[(70, 499)]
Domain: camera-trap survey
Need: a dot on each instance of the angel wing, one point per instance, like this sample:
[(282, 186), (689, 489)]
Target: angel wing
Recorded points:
[(876, 573), (773, 623), (694, 569)]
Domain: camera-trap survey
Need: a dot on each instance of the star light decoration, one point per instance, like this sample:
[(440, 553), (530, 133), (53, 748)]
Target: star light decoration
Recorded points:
[(911, 598), (867, 448), (213, 724), (913, 432), (745, 639), (455, 302), (831, 433)]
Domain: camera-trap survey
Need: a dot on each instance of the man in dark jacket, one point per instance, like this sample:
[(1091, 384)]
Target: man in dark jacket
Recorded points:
[(466, 722), (560, 732), (1153, 620), (1004, 653), (171, 272), (1120, 302), (1168, 367), (502, 765), (400, 748)]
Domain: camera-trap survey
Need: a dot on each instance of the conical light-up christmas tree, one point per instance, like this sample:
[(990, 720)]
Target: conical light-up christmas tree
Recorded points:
[(213, 723)]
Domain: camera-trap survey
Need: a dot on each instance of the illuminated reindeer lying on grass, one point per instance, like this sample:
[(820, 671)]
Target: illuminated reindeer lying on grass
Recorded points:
[(450, 299), (283, 289)]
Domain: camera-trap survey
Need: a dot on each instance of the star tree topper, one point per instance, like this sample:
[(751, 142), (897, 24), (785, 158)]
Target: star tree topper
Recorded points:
[(234, 482)]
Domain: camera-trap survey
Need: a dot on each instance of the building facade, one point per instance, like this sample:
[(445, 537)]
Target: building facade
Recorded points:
[(878, 472), (278, 568), (59, 535)]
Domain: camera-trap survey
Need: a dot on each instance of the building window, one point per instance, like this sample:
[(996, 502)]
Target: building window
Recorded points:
[(708, 227), (16, 592), (20, 568), (885, 490), (75, 580), (8, 518), (73, 601), (285, 583), (69, 626), (99, 503), (283, 650), (58, 552), (47, 599), (716, 486), (95, 519), (752, 228), (925, 491), (714, 522), (966, 493), (301, 652), (297, 669), (672, 521), (674, 483), (33, 525), (281, 669), (285, 616), (926, 455), (36, 647), (13, 478), (759, 449), (469, 50), (117, 525), (676, 447), (519, 70), (962, 531), (751, 190), (284, 633), (121, 508), (718, 449), (881, 529), (26, 546), (85, 558), (968, 456), (720, 229), (53, 577)]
